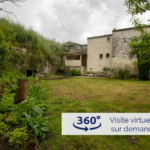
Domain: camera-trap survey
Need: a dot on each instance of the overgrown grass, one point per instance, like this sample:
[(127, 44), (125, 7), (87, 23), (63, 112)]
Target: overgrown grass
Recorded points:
[(94, 95), (53, 76), (39, 50)]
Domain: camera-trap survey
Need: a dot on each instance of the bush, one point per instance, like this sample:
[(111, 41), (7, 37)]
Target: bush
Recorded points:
[(123, 73), (143, 72), (106, 69), (115, 76), (75, 72)]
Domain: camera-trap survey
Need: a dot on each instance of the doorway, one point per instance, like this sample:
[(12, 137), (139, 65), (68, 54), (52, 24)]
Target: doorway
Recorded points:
[(29, 73)]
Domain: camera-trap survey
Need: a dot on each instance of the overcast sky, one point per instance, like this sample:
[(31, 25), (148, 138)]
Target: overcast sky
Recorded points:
[(72, 20)]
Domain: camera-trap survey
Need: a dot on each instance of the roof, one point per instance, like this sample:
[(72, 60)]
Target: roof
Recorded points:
[(107, 35), (115, 30), (75, 54), (69, 43), (130, 28)]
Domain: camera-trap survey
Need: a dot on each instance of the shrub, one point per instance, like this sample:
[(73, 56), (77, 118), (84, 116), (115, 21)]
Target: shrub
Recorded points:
[(143, 72), (78, 73), (129, 76), (106, 69), (115, 76), (75, 72), (123, 73), (72, 72)]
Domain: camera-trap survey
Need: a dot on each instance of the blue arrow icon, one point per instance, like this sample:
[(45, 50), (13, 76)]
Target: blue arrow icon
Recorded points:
[(86, 129), (95, 127), (81, 128)]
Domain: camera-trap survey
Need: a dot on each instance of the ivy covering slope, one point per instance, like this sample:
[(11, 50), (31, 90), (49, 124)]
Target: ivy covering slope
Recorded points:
[(39, 50)]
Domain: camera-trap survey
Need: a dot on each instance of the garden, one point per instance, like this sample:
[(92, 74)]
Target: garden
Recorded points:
[(35, 123), (85, 95), (21, 125)]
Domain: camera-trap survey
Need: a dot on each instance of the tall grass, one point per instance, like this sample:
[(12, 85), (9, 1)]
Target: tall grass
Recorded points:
[(36, 43)]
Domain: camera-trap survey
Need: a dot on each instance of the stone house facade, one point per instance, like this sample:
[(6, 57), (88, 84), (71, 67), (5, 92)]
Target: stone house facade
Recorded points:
[(110, 51), (76, 57), (120, 50)]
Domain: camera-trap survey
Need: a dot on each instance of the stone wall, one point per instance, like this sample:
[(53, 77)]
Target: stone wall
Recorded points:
[(84, 49), (42, 68), (74, 49), (121, 51)]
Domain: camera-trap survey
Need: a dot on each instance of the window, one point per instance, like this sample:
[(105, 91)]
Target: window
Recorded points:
[(108, 40), (124, 40), (131, 55), (101, 56), (107, 55)]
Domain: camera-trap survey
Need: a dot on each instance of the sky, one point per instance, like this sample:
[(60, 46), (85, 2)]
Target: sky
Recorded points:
[(71, 20)]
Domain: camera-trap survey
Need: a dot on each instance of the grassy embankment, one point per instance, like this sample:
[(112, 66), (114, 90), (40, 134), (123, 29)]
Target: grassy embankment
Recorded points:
[(95, 95)]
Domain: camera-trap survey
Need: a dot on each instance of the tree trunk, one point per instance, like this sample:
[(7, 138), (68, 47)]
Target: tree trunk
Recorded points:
[(21, 91)]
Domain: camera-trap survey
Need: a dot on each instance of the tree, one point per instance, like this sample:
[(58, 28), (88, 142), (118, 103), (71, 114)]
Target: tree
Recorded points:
[(12, 1), (143, 72), (15, 2), (140, 45), (136, 7)]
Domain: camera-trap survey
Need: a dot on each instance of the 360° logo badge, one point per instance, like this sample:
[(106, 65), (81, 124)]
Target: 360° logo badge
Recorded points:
[(86, 121)]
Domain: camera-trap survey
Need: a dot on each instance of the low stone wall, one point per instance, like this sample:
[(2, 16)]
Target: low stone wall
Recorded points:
[(99, 73), (75, 68)]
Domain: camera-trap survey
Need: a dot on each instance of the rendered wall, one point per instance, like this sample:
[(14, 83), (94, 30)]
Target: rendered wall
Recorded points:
[(97, 46), (72, 63)]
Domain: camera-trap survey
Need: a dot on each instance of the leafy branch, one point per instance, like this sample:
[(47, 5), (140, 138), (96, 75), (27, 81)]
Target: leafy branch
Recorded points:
[(136, 7), (12, 1)]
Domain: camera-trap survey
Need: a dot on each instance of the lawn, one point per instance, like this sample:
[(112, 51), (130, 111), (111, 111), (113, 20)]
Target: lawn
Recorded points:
[(51, 77), (94, 95)]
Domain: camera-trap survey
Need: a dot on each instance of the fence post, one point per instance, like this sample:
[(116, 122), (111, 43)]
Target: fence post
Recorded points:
[(21, 91)]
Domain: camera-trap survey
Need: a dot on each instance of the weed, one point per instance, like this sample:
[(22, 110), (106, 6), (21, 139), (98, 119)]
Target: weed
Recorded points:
[(3, 128), (18, 136)]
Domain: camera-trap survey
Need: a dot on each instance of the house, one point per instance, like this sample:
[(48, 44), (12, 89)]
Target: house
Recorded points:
[(110, 51), (76, 58)]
